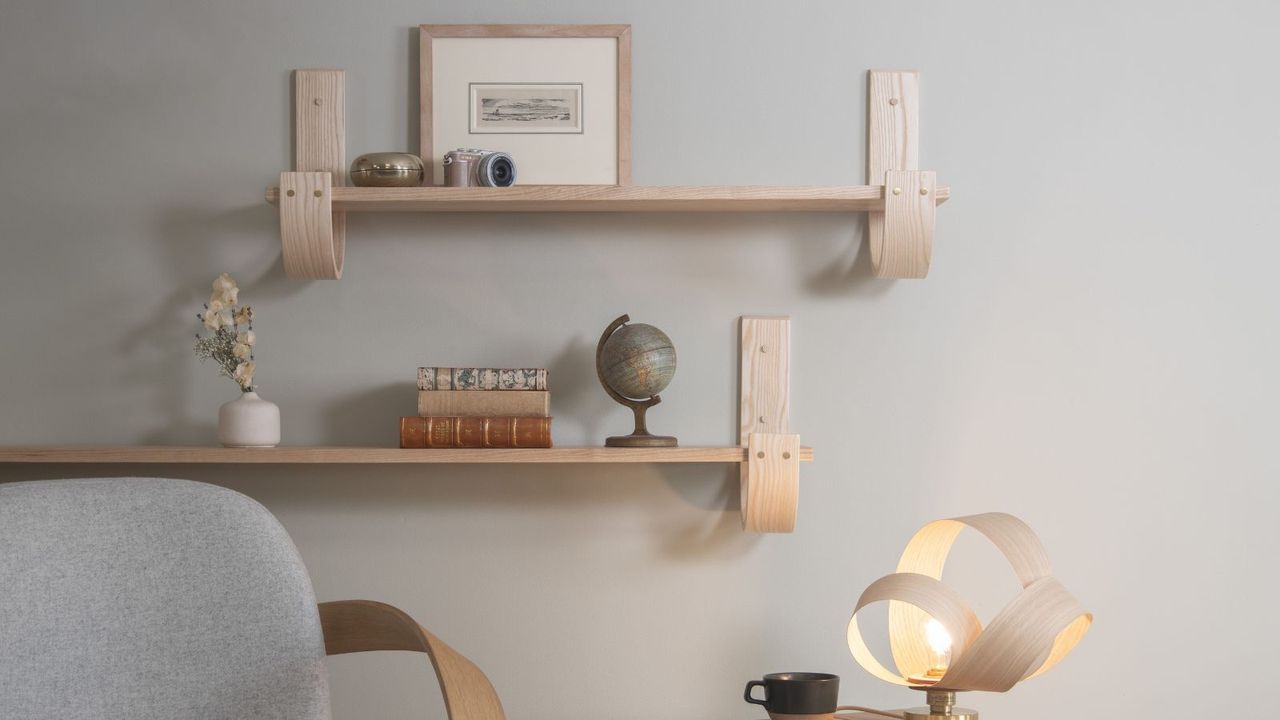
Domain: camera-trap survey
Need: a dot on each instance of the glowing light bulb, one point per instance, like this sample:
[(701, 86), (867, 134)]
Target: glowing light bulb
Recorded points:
[(939, 641)]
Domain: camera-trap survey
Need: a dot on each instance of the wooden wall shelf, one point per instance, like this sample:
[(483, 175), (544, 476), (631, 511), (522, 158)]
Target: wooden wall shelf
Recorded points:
[(768, 454), (176, 455), (621, 198), (900, 199)]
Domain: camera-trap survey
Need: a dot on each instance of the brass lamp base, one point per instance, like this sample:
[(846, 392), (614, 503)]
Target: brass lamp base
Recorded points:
[(942, 706)]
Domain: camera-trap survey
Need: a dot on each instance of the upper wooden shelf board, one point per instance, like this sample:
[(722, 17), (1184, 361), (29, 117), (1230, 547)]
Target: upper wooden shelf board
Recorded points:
[(371, 455), (612, 198)]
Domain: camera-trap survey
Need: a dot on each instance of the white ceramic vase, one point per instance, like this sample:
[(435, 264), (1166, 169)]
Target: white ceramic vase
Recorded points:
[(249, 421)]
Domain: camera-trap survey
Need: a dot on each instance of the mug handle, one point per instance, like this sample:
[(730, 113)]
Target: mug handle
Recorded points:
[(746, 694)]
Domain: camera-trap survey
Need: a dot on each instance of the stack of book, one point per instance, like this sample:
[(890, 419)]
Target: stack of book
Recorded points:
[(479, 408)]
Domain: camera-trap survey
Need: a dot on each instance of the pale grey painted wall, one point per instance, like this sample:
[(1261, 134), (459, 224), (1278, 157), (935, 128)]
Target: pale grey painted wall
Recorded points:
[(1095, 349)]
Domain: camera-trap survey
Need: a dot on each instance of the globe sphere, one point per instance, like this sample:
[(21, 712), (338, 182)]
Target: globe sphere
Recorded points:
[(638, 361)]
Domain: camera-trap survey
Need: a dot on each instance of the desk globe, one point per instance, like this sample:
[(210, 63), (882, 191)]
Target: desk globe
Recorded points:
[(634, 364)]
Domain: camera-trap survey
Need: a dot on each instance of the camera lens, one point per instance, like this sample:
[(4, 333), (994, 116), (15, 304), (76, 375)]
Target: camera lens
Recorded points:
[(498, 171), (502, 173)]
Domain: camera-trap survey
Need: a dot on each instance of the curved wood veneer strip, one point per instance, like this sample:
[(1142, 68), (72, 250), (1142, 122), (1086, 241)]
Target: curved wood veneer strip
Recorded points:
[(1022, 641), (926, 553), (927, 595), (364, 625)]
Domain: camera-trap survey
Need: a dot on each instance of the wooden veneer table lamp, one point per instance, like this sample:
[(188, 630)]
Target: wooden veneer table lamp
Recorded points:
[(937, 642)]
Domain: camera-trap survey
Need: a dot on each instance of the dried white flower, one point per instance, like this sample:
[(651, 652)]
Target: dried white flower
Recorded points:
[(244, 316), (244, 374), (213, 320), (225, 289), (245, 337), (241, 351)]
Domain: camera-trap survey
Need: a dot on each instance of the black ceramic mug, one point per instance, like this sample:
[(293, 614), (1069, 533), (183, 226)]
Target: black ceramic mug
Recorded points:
[(791, 696)]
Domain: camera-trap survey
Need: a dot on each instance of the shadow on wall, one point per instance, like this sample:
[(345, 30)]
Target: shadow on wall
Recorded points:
[(361, 419), (188, 242), (697, 520), (367, 418), (578, 397), (725, 537), (414, 90), (849, 273)]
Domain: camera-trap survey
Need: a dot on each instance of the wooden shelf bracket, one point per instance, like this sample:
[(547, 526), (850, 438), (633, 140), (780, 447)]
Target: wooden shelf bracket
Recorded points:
[(770, 477), (901, 237), (313, 236)]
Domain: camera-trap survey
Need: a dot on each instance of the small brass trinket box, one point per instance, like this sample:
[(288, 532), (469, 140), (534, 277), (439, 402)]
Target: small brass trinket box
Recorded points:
[(387, 169)]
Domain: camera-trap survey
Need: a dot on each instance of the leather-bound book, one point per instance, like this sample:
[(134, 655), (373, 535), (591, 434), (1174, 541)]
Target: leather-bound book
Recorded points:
[(465, 403), (475, 432), (440, 378)]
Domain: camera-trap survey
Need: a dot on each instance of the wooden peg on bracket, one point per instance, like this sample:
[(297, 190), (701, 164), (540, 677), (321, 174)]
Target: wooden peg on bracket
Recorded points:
[(770, 478), (901, 237), (313, 237)]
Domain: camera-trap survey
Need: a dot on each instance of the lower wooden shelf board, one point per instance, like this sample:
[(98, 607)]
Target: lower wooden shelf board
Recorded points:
[(160, 454)]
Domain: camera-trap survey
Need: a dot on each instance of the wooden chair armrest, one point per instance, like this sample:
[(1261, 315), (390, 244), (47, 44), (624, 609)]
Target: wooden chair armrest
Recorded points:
[(364, 625)]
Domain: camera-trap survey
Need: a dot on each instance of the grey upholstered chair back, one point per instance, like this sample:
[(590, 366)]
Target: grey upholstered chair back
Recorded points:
[(154, 599)]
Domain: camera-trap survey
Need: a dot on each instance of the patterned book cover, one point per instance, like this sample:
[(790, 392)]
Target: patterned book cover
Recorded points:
[(475, 432), (438, 378), (463, 403)]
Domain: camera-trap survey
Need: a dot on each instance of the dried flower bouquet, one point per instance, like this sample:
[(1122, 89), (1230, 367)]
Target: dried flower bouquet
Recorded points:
[(231, 344)]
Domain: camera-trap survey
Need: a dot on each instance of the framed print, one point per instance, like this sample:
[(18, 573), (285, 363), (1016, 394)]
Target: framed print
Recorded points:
[(557, 98), (526, 108)]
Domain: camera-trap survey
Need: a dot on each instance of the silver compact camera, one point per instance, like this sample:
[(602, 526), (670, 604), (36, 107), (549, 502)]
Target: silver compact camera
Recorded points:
[(469, 167)]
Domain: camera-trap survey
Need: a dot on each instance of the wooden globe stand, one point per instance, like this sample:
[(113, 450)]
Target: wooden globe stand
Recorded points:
[(640, 437)]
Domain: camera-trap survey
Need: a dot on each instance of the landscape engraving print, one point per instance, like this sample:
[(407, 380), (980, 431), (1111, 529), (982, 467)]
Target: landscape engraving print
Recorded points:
[(526, 108)]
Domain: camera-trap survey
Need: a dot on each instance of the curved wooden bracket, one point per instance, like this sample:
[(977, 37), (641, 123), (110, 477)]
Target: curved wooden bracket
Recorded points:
[(771, 483), (905, 244), (313, 237), (311, 234), (364, 625), (900, 238), (770, 478)]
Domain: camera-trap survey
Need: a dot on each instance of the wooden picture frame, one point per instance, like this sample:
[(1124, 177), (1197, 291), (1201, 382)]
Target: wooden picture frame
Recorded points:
[(427, 105)]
